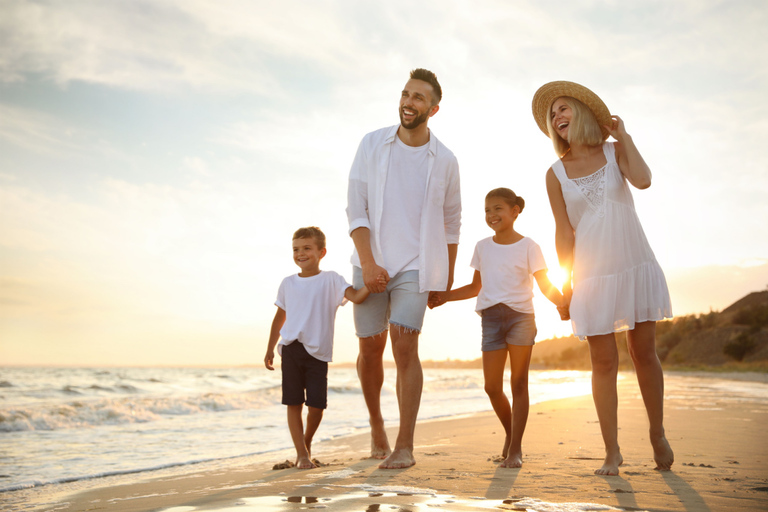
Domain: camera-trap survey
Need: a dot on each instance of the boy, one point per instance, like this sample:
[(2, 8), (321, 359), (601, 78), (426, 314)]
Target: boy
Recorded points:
[(304, 321)]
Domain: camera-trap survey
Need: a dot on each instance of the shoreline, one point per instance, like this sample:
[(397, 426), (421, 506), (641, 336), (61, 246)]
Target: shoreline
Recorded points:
[(720, 451)]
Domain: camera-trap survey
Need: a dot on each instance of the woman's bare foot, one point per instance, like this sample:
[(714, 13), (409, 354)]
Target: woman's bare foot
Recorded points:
[(304, 463), (379, 443), (400, 458), (513, 460), (611, 464), (662, 453)]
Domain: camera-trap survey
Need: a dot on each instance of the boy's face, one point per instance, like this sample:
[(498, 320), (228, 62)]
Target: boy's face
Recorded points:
[(307, 255)]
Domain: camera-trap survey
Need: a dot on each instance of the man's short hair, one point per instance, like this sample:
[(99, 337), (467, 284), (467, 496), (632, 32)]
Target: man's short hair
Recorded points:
[(311, 232), (426, 75)]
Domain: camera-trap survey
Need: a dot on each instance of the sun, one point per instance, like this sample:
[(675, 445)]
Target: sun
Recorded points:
[(557, 276)]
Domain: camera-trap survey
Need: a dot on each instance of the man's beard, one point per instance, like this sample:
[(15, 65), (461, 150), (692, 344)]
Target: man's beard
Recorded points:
[(416, 122)]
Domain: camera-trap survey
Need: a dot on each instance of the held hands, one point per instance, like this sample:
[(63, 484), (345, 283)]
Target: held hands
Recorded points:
[(375, 278), (564, 307), (436, 299), (564, 311)]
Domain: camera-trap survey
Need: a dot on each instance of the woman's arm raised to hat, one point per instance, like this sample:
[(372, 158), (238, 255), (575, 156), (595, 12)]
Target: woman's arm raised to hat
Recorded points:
[(564, 236), (631, 163)]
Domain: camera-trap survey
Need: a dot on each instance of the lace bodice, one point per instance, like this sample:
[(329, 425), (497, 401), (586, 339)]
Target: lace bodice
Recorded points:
[(593, 189)]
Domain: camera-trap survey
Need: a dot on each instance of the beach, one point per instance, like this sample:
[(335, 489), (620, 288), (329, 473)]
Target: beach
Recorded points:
[(717, 432)]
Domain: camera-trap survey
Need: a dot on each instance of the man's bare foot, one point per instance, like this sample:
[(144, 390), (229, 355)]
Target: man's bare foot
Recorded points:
[(662, 453), (304, 463), (611, 465), (514, 460), (379, 443), (399, 459)]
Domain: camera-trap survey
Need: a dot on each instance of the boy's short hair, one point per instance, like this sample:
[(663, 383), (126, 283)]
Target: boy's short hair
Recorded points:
[(426, 75), (311, 232), (508, 196)]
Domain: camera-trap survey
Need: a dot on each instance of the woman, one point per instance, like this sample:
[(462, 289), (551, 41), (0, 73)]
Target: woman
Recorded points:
[(617, 282)]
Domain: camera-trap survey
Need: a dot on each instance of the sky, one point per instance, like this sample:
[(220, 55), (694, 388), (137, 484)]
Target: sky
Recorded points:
[(156, 156)]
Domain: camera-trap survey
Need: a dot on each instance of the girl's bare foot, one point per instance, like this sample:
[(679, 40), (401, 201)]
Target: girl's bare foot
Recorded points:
[(662, 453), (400, 458), (304, 463), (507, 442), (379, 443), (514, 460), (611, 464)]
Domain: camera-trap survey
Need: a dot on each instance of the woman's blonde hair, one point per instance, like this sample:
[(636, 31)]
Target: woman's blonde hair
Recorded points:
[(583, 129)]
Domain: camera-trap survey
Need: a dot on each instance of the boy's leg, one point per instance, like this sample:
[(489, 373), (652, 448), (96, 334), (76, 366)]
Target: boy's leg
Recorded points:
[(494, 362), (296, 427), (605, 366), (520, 359), (316, 376), (314, 416), (641, 343)]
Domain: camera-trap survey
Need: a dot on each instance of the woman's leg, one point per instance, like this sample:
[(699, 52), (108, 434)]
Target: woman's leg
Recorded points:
[(605, 367), (493, 373), (520, 359), (641, 343)]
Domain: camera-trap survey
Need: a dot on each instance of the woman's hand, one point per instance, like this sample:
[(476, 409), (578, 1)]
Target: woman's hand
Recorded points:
[(616, 128)]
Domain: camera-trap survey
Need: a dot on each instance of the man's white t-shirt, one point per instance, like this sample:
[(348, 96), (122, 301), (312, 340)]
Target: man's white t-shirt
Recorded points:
[(310, 305), (403, 199), (507, 273)]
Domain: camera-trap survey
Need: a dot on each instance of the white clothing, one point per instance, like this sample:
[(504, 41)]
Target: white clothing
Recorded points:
[(507, 273), (441, 206), (617, 281), (310, 305), (403, 197)]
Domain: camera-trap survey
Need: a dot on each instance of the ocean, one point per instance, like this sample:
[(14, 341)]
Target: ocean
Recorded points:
[(62, 425)]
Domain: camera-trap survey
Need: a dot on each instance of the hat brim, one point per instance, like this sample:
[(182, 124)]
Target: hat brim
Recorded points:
[(548, 93)]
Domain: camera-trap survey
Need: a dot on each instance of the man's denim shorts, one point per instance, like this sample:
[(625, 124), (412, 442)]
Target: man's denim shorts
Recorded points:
[(401, 305), (504, 326), (302, 372)]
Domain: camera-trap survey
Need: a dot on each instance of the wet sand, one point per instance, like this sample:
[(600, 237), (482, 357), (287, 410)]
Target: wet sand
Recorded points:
[(721, 464)]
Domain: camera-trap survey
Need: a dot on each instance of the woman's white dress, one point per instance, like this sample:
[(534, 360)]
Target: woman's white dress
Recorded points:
[(617, 281)]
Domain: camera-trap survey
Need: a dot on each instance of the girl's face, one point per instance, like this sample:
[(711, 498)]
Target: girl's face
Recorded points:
[(560, 116), (499, 215)]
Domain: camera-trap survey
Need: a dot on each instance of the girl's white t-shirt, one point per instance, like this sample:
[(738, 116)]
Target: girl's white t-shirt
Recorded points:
[(507, 273), (310, 305)]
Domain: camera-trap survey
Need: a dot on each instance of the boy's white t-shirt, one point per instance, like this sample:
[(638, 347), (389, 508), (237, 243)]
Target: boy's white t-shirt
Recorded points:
[(507, 273), (310, 305), (403, 201)]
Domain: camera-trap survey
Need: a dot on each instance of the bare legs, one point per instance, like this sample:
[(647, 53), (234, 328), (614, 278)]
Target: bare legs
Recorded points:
[(515, 418), (302, 440), (641, 342), (405, 348)]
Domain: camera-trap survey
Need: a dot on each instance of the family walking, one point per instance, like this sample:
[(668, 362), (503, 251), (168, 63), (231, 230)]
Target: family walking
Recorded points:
[(404, 213)]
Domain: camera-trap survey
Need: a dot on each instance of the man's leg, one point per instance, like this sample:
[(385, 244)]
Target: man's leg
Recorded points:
[(370, 371), (405, 348)]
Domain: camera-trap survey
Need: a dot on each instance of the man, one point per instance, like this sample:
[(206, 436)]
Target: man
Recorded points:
[(404, 211)]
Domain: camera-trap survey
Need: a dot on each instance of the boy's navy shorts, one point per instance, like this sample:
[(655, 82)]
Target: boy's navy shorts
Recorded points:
[(302, 372)]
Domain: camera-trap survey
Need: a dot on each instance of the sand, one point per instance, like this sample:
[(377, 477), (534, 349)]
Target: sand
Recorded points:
[(721, 464)]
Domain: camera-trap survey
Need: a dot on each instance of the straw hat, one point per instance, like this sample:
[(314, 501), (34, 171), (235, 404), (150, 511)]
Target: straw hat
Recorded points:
[(548, 93)]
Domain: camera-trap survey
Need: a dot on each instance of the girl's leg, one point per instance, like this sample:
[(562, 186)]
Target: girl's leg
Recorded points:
[(605, 367), (493, 374), (296, 427), (520, 359), (314, 416), (641, 342)]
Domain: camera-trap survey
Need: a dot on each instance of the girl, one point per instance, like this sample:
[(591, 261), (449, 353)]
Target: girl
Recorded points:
[(617, 283), (505, 265)]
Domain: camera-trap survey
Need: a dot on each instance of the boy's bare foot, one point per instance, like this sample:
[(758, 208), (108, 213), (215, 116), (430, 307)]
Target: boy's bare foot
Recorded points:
[(304, 463), (399, 459), (514, 460), (611, 464), (379, 443), (662, 453)]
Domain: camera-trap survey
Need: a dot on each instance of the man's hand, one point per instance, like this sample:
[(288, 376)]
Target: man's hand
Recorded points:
[(375, 278)]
